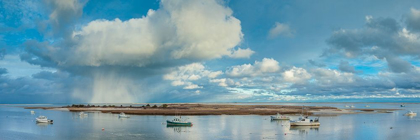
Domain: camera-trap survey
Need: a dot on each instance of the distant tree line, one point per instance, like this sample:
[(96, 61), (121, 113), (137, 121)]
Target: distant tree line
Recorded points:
[(121, 106)]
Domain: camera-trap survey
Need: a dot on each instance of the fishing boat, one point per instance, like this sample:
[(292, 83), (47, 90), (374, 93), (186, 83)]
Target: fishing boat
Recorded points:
[(402, 105), (122, 115), (43, 119), (178, 121), (410, 113), (305, 121), (279, 117)]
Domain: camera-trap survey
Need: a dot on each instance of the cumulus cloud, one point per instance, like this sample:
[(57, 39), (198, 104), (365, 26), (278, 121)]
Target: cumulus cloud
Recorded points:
[(413, 20), (224, 82), (280, 29), (186, 75), (267, 65), (242, 53), (179, 30), (381, 37), (177, 34), (296, 75)]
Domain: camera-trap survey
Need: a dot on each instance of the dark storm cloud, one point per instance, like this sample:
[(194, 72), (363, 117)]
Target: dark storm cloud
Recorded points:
[(2, 53), (3, 71), (381, 37), (413, 20), (318, 64), (344, 66)]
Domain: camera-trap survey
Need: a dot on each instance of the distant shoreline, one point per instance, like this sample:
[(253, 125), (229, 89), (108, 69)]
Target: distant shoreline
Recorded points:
[(217, 109)]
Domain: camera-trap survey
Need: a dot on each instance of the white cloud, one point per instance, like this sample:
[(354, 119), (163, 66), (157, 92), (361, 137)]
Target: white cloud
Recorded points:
[(214, 74), (267, 65), (193, 30), (296, 75), (242, 53), (186, 75), (280, 29), (192, 86), (331, 77), (224, 82)]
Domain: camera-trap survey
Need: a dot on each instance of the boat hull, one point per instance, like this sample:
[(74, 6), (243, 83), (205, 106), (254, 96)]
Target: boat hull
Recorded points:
[(44, 121), (273, 118), (411, 114), (305, 124), (170, 123)]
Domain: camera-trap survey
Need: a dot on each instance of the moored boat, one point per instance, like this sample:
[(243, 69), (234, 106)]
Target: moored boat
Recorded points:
[(410, 113), (43, 119), (122, 115), (82, 114), (279, 117), (305, 121), (178, 121)]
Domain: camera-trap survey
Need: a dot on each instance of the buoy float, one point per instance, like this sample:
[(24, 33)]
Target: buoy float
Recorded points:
[(284, 133), (103, 129)]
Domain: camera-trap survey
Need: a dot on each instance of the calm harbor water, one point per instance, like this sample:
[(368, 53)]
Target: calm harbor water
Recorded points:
[(18, 123)]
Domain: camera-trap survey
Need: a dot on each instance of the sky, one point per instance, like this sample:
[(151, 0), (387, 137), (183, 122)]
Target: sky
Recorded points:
[(111, 51)]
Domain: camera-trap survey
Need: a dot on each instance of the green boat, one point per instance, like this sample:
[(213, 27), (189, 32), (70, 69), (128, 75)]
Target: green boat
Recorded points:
[(177, 121)]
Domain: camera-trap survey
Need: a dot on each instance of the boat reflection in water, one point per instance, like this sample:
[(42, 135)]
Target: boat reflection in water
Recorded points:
[(281, 122), (179, 128), (304, 129)]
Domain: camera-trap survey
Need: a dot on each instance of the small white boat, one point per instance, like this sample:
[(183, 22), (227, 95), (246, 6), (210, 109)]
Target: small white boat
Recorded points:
[(82, 114), (43, 119), (122, 115), (279, 117), (347, 106), (32, 112), (352, 106), (410, 113), (305, 121), (367, 106)]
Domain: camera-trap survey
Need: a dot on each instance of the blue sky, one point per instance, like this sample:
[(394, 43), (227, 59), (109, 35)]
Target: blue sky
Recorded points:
[(209, 51)]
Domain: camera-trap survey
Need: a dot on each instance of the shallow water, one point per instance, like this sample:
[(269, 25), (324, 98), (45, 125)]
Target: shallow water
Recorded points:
[(18, 123)]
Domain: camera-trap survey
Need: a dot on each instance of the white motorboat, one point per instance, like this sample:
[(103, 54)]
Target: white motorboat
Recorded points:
[(32, 112), (410, 113), (43, 119), (347, 106), (367, 106), (279, 117), (122, 115), (82, 114), (305, 121), (352, 106)]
